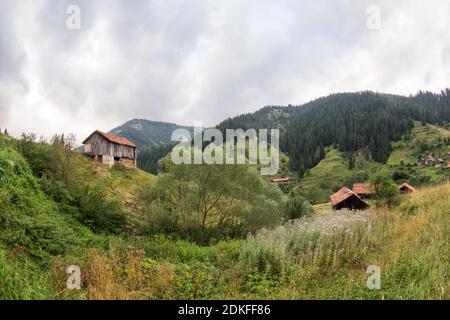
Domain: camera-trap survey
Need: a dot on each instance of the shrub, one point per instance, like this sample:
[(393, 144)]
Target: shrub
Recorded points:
[(386, 190), (206, 203), (297, 206), (98, 212), (28, 218)]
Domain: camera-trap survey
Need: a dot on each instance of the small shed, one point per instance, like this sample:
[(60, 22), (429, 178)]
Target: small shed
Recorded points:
[(347, 199), (108, 149), (363, 190), (281, 180), (406, 187)]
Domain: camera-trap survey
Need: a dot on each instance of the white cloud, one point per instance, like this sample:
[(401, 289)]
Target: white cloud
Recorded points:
[(182, 60)]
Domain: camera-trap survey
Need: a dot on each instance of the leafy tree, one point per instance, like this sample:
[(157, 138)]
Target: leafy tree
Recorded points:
[(98, 212), (386, 190), (205, 202)]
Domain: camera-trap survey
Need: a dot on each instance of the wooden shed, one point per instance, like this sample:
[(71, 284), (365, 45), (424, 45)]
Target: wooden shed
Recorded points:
[(281, 180), (405, 188), (108, 149), (347, 199), (363, 190)]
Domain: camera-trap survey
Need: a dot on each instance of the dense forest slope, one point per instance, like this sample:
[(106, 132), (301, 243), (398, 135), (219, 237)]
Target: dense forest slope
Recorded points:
[(339, 169), (351, 121), (346, 121)]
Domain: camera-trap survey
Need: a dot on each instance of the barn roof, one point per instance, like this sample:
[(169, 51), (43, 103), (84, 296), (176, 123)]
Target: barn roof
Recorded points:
[(280, 180), (111, 138), (362, 188), (342, 195), (408, 186)]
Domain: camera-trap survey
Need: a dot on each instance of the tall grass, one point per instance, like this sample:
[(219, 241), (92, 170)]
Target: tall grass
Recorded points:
[(327, 256)]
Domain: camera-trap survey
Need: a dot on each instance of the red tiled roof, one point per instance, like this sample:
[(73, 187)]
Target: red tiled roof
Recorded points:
[(362, 188), (114, 139), (342, 195), (408, 186), (280, 180)]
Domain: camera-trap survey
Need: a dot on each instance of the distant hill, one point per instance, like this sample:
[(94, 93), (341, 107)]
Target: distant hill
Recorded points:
[(146, 133), (347, 122), (269, 117)]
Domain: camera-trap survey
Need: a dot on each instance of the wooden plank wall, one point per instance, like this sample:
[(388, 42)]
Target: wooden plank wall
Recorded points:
[(101, 146)]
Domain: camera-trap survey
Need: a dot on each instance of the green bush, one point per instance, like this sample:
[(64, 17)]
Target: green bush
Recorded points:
[(386, 190), (98, 212), (208, 203), (28, 218), (297, 206)]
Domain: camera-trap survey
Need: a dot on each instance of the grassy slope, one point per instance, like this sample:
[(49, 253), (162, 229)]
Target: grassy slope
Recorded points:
[(408, 151), (410, 243), (121, 183), (331, 174)]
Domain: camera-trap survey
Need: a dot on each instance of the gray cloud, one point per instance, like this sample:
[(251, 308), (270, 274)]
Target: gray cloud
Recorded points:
[(205, 60)]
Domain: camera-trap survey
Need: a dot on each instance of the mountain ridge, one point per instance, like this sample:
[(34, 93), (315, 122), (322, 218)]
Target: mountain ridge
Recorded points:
[(148, 133)]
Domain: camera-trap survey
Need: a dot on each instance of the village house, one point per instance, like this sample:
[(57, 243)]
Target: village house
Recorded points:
[(428, 161), (363, 190), (281, 180), (347, 199), (406, 188), (108, 149)]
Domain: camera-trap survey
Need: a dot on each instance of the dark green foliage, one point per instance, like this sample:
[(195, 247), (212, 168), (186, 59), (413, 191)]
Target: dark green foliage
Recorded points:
[(51, 159), (386, 190), (28, 219), (271, 117), (400, 175), (147, 159), (204, 203), (98, 212), (347, 121), (297, 206)]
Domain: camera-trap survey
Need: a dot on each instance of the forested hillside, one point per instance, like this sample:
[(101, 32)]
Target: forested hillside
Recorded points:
[(147, 134), (347, 121), (351, 121)]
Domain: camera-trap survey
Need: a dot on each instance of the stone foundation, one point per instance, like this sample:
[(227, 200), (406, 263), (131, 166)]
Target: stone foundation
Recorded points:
[(108, 160), (128, 163)]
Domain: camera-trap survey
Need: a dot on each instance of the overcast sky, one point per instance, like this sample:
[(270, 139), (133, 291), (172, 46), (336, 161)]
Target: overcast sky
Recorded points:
[(196, 60)]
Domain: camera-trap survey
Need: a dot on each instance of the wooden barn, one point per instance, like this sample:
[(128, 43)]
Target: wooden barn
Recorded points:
[(347, 199), (281, 180), (108, 149), (363, 190), (405, 188)]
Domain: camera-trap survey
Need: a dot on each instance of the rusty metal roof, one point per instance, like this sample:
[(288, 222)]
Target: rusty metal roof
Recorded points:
[(280, 180), (362, 188), (407, 185), (111, 138), (342, 195)]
